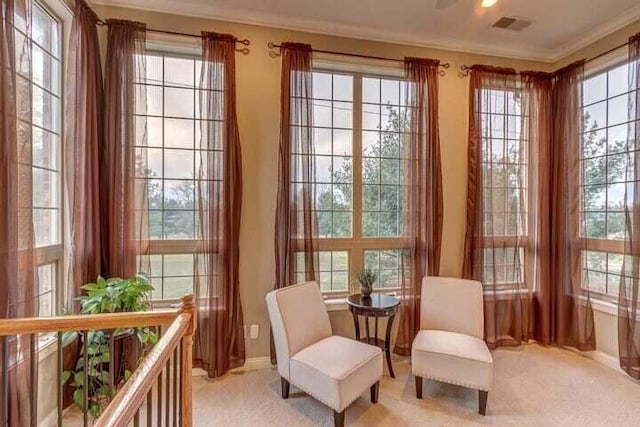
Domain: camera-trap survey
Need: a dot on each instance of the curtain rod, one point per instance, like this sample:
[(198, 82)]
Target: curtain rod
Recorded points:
[(465, 69), (274, 54), (244, 50)]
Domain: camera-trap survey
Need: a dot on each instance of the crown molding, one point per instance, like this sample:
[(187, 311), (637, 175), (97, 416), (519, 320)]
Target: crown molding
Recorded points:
[(598, 33), (385, 36)]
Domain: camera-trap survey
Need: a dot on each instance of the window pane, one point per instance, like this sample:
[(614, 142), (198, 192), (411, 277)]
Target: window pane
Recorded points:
[(46, 189), (342, 87), (45, 70), (332, 133), (176, 287), (321, 85), (179, 133), (46, 223), (619, 80), (45, 149), (173, 140), (618, 110), (46, 290), (179, 102), (595, 115), (179, 164), (153, 72), (179, 72), (605, 159), (45, 30), (179, 224), (371, 90), (387, 266), (382, 162), (594, 89), (45, 109), (333, 270)]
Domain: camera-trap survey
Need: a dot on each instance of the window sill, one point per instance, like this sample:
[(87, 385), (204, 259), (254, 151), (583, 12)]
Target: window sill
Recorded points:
[(336, 304), (604, 307), (47, 347)]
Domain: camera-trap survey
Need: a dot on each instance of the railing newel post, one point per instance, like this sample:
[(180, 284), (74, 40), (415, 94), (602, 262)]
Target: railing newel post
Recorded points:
[(186, 410)]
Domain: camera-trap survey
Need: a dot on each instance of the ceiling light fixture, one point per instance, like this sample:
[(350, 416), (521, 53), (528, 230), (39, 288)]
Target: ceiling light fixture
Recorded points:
[(488, 3)]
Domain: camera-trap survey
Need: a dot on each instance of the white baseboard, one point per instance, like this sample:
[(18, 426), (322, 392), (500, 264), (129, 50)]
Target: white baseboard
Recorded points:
[(600, 357), (49, 420), (605, 359), (254, 363)]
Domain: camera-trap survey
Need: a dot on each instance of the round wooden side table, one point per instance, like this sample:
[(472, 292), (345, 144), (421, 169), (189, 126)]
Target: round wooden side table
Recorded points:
[(376, 305)]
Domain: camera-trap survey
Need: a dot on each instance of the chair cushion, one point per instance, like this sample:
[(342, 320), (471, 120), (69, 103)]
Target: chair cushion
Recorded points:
[(336, 370), (452, 358)]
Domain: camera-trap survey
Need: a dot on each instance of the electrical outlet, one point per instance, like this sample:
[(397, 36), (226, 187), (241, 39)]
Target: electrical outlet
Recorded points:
[(251, 331), (254, 332)]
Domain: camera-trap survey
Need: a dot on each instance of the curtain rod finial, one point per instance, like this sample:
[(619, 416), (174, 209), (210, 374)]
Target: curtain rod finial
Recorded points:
[(464, 71)]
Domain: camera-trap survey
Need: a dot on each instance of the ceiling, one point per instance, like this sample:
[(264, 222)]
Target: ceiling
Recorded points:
[(559, 27)]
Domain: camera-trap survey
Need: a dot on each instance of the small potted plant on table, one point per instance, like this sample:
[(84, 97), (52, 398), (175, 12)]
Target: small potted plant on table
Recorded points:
[(367, 278)]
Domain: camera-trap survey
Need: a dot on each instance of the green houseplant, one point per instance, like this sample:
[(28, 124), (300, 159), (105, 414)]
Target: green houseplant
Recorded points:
[(367, 278), (112, 295)]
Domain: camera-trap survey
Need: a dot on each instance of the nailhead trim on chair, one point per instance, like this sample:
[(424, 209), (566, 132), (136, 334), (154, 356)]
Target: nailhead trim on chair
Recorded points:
[(327, 404), (448, 381)]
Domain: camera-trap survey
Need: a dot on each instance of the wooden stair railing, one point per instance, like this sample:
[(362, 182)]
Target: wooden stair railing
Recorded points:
[(175, 345)]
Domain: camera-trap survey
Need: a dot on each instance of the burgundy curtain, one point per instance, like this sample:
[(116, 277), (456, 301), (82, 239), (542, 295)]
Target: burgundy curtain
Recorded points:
[(537, 112), (568, 305), (18, 271), (523, 214), (629, 295), (497, 234), (296, 228), (82, 140), (219, 344), (423, 192), (123, 177)]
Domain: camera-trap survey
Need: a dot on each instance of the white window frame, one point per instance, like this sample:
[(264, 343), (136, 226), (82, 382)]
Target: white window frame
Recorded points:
[(357, 244), (601, 245)]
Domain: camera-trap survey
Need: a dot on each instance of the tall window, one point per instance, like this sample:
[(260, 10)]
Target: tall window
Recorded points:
[(504, 180), (604, 156), (173, 133), (45, 124), (359, 126)]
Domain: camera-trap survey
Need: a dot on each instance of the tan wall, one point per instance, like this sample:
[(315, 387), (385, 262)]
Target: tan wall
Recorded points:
[(258, 85)]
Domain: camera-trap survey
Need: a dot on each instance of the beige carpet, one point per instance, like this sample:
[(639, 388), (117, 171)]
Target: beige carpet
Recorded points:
[(535, 386)]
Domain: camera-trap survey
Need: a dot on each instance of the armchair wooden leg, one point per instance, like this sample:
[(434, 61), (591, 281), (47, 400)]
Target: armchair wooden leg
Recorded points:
[(374, 392), (338, 419), (482, 401), (284, 385), (419, 387)]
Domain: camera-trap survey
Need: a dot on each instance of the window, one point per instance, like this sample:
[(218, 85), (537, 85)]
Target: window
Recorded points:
[(359, 127), (504, 180), (603, 158), (172, 134), (45, 122)]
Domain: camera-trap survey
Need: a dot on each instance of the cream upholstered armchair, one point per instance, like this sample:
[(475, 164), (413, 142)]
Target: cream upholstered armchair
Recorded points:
[(450, 346), (333, 369)]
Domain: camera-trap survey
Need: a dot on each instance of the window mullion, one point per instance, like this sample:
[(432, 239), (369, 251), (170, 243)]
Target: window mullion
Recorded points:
[(356, 255)]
